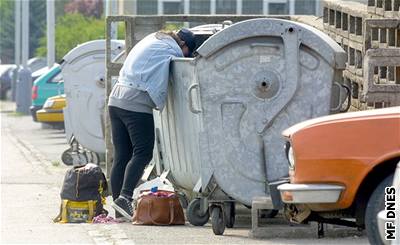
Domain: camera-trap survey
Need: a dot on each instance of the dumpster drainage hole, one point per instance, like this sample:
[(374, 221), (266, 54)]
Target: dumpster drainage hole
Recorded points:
[(291, 29)]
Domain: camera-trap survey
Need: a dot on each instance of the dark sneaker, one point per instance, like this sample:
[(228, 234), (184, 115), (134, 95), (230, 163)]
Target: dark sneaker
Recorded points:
[(123, 206), (118, 215)]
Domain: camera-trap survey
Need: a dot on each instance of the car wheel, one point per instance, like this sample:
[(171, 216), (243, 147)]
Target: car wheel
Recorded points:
[(375, 204)]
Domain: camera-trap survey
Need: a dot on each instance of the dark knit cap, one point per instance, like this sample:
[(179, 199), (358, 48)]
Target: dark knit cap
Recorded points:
[(187, 36)]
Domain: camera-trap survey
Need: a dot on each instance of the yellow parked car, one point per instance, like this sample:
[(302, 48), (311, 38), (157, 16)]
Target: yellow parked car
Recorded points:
[(52, 112)]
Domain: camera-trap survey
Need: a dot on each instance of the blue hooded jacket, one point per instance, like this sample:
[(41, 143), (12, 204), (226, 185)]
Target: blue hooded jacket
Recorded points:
[(146, 67)]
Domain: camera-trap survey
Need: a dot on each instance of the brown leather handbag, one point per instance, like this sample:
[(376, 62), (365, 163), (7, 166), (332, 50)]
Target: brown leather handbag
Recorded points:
[(158, 210)]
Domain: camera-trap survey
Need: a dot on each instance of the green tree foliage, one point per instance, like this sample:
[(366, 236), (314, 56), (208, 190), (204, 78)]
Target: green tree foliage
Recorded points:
[(37, 26), (71, 30), (37, 23), (6, 31)]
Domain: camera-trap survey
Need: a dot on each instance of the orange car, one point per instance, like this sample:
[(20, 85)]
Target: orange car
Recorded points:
[(339, 166)]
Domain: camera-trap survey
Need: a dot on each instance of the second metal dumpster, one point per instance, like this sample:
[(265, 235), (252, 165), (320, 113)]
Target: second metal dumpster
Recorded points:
[(84, 77)]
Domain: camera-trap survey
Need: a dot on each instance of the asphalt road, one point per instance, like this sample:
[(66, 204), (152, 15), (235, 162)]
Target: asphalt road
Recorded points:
[(31, 177)]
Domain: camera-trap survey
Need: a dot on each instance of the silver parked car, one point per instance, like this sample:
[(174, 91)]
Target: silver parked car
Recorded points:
[(5, 79)]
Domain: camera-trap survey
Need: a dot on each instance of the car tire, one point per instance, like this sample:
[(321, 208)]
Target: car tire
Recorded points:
[(375, 204)]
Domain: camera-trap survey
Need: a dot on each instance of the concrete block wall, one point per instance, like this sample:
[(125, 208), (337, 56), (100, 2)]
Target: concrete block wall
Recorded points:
[(361, 27), (384, 8), (384, 86)]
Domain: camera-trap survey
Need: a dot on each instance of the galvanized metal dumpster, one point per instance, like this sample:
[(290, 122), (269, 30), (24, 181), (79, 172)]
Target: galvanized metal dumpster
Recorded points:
[(83, 71), (220, 133)]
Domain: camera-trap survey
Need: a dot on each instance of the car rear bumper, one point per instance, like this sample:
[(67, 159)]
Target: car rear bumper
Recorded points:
[(34, 109), (53, 116), (310, 193)]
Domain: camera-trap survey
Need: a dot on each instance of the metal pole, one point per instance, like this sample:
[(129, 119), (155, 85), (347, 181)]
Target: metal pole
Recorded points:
[(113, 11), (50, 33), (186, 11), (17, 48), (134, 10), (107, 7), (25, 33), (239, 7), (24, 82), (213, 7), (160, 7), (186, 7), (17, 42), (318, 9), (265, 7), (291, 7)]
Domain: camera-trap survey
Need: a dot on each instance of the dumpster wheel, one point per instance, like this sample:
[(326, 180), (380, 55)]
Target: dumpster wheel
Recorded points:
[(66, 157), (73, 158), (92, 157), (217, 220), (183, 200), (194, 215), (229, 214)]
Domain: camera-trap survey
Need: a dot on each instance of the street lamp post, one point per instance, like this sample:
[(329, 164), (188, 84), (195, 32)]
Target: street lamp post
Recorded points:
[(50, 33), (17, 48), (24, 82), (112, 9)]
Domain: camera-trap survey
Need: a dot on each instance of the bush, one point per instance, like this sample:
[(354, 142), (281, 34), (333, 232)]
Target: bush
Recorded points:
[(71, 30)]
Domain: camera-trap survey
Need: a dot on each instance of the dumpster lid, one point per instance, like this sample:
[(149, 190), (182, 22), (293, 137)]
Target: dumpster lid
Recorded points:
[(208, 29), (91, 47), (309, 36)]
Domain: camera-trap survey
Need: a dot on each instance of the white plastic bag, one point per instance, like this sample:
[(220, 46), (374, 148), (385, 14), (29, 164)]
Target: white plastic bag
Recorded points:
[(161, 184)]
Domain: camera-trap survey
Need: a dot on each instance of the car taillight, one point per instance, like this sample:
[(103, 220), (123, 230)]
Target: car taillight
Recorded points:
[(34, 92)]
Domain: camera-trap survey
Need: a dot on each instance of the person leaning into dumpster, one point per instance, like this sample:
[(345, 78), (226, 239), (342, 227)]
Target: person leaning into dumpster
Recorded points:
[(141, 87)]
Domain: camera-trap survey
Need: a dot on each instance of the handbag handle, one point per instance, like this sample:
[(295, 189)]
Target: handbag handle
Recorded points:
[(172, 213)]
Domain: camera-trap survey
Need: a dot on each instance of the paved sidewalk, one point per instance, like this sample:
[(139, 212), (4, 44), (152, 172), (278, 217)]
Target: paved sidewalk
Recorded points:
[(30, 189)]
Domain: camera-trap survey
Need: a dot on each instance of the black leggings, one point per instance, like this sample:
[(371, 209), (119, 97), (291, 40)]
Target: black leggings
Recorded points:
[(133, 139)]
